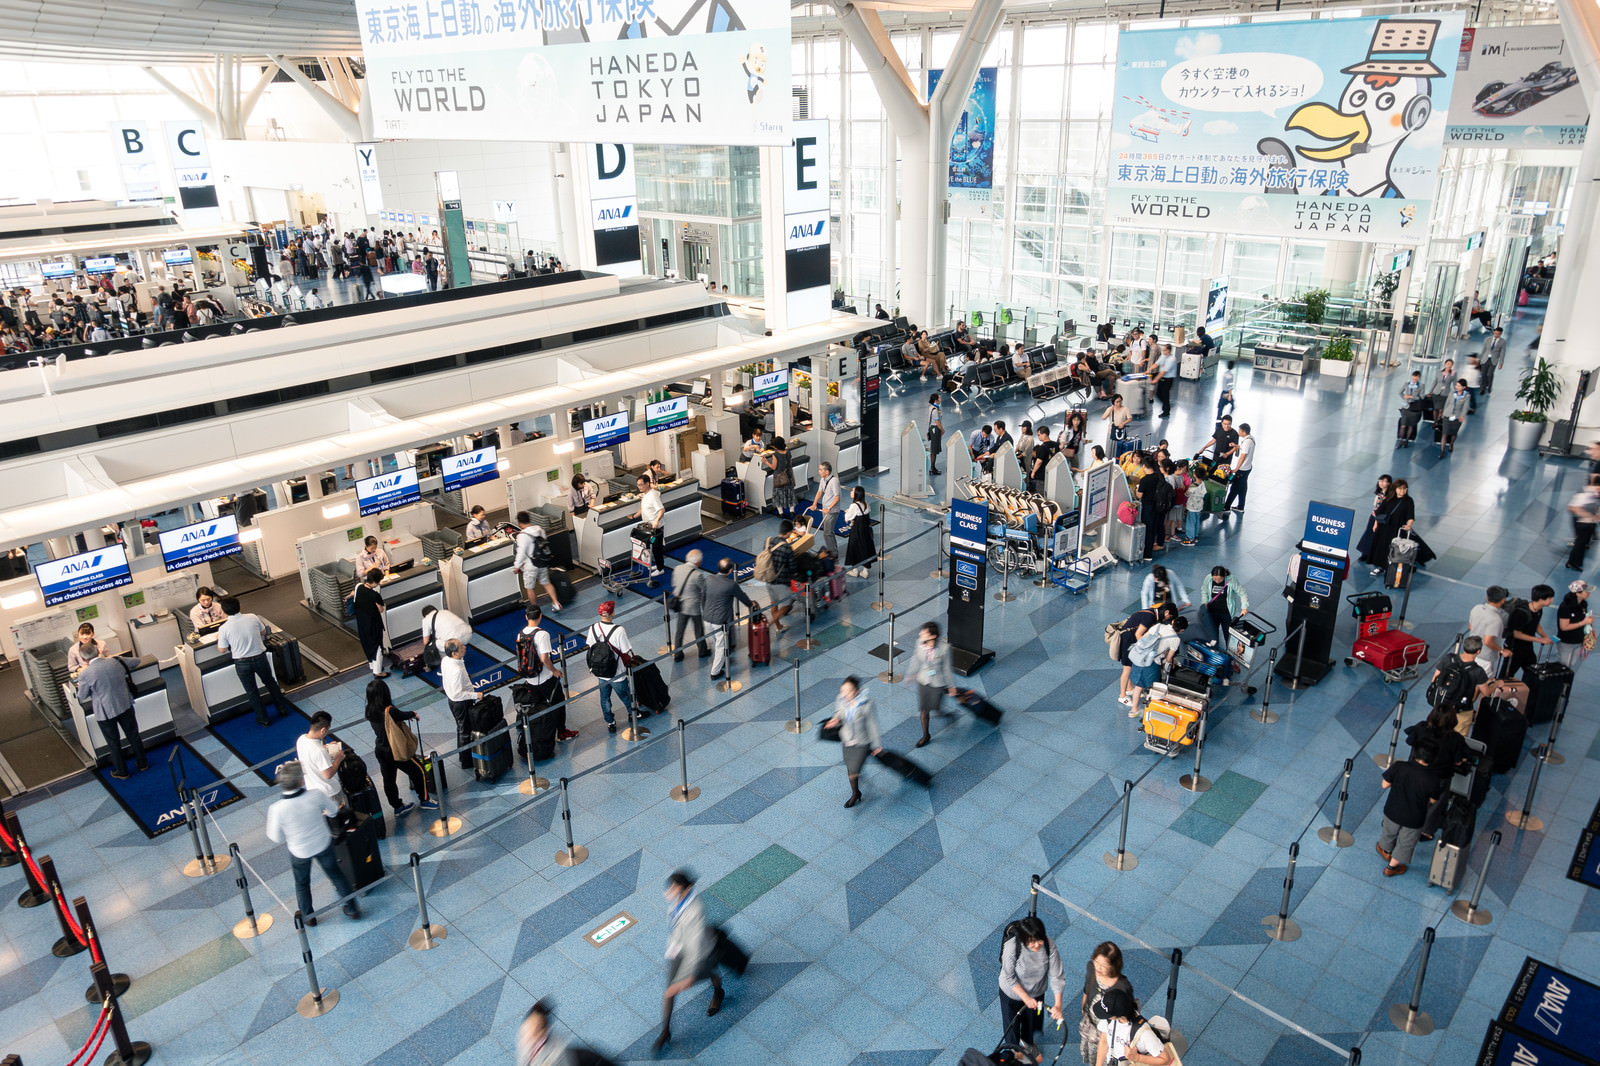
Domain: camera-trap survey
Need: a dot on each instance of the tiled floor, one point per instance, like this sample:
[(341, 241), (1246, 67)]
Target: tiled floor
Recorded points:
[(874, 932)]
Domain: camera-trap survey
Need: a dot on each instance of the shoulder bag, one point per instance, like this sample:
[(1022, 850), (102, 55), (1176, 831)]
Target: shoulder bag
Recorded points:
[(402, 742)]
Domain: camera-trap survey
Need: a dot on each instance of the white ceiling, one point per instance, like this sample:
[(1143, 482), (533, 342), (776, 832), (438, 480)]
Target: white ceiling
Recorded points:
[(167, 31)]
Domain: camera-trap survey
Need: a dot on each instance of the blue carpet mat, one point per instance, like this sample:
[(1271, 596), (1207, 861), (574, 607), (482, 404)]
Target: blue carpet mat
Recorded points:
[(744, 564), (262, 748), (150, 799), (503, 630), (485, 672)]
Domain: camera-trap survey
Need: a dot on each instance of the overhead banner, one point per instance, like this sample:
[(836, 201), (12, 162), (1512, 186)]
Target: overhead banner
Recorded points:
[(1517, 87), (650, 71), (191, 169), (1234, 129), (371, 184), (807, 243), (135, 146), (614, 210), (972, 147)]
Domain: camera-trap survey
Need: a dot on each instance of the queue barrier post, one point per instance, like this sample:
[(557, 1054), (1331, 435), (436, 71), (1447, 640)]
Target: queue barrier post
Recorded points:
[(69, 944), (1265, 714), (1386, 761), (683, 792), (807, 643), (938, 566), (1355, 1056), (1551, 755), (887, 673), (1195, 781), (796, 725), (572, 854), (730, 642), (534, 783), (1469, 911), (1176, 1038), (1120, 860), (251, 925), (318, 1001), (1280, 926), (882, 602), (128, 1052), (217, 863), (1033, 897), (205, 862), (883, 524), (427, 935), (1410, 1017), (666, 621), (91, 936), (445, 824), (1525, 819), (36, 895), (635, 731), (1336, 834), (11, 1060)]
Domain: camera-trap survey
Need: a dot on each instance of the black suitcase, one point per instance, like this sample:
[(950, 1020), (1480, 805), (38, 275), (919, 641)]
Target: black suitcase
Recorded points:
[(1460, 822), (649, 690), (356, 852), (732, 497), (563, 586), (1547, 684), (1502, 729), (729, 954), (486, 715), (978, 705), (905, 768), (365, 801), (287, 665), (491, 758), (1398, 575), (1189, 682)]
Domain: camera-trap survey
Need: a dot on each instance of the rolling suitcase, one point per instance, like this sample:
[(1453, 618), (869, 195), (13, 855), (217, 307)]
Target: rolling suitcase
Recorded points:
[(365, 801), (1168, 727), (1127, 542), (1449, 860), (733, 504), (1547, 684), (905, 768), (486, 715), (649, 690), (1403, 549), (1208, 661), (1398, 575), (760, 640), (1391, 650), (1188, 683), (1502, 729), (491, 758), (530, 701), (1216, 495), (836, 586), (287, 665), (356, 852), (563, 586), (979, 706)]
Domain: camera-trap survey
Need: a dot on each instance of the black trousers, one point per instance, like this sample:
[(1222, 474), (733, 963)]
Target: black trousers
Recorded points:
[(1238, 486), (458, 711), (683, 623), (128, 726), (1582, 536), (391, 766), (1028, 1023), (1164, 394)]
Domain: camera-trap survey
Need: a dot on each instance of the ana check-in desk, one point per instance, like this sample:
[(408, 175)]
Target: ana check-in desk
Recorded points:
[(214, 689), (681, 498), (151, 709), (479, 581), (405, 595), (842, 448), (758, 480), (605, 533)]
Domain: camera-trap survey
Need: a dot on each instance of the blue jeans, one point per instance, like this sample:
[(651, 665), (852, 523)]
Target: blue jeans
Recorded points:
[(302, 878), (1191, 524), (257, 667), (621, 686)]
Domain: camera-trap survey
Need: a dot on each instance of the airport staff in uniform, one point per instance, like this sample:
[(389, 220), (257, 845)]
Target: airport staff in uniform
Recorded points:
[(207, 613), (479, 527), (371, 557), (243, 636), (103, 685)]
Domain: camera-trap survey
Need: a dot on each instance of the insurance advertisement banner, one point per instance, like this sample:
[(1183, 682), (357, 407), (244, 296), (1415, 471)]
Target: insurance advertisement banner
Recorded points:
[(600, 71), (1517, 87), (972, 147), (1235, 129)]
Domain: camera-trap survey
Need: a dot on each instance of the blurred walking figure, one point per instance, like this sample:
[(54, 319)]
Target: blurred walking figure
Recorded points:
[(691, 953), (536, 1044)]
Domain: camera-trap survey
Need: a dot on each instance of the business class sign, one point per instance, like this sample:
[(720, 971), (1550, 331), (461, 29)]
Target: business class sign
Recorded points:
[(606, 71)]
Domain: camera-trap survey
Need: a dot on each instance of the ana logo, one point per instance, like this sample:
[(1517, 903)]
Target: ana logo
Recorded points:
[(199, 534), (81, 566), (615, 214), (475, 459), (386, 483), (603, 424), (807, 229)]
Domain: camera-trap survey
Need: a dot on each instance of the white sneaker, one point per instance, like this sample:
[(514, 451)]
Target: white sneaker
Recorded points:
[(1126, 701)]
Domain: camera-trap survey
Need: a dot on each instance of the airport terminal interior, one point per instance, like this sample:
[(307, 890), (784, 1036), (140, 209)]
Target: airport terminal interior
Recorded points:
[(1134, 466)]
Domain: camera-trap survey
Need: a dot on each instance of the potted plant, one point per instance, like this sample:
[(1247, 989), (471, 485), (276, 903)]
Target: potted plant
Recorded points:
[(1338, 356), (1538, 390), (1316, 305)]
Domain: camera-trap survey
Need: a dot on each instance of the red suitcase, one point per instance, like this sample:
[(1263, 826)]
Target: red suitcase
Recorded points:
[(760, 641), (1392, 651)]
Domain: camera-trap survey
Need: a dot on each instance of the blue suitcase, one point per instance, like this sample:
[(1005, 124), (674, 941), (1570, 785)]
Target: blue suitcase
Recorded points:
[(733, 504), (1208, 661)]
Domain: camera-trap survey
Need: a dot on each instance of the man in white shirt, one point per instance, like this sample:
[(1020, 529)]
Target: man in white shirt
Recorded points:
[(300, 820), (320, 759), (1166, 373), (606, 632), (827, 502), (314, 301), (458, 690), (1488, 621), (653, 513), (439, 627), (1243, 460), (532, 560), (535, 662), (243, 636)]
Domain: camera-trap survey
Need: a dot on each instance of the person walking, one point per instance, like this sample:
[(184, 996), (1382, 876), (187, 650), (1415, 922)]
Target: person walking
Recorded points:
[(857, 723), (826, 504), (688, 588), (532, 561), (608, 656), (243, 636), (299, 821), (1457, 406), (381, 714), (459, 696), (1226, 379), (1166, 373), (860, 550), (691, 952), (104, 687), (1102, 973), (717, 600), (1585, 510), (1412, 786), (1526, 631), (1400, 514), (935, 435), (779, 593), (370, 627), (932, 674), (1030, 963), (1243, 461), (537, 1045), (1574, 624)]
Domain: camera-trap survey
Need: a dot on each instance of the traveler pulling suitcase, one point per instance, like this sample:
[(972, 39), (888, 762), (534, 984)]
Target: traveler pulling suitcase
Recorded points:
[(979, 706), (1548, 684), (649, 690), (760, 640), (356, 852)]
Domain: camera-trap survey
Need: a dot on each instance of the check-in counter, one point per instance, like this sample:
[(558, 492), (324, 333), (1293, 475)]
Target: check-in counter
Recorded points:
[(151, 709), (405, 595), (842, 448), (758, 480), (155, 635), (209, 679), (604, 533), (479, 582), (681, 498)]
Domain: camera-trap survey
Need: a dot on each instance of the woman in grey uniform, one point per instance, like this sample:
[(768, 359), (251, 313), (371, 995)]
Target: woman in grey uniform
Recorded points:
[(689, 952), (858, 732)]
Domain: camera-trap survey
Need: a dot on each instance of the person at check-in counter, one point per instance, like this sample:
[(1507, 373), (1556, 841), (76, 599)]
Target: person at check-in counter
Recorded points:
[(478, 525), (371, 557), (755, 445), (85, 650), (244, 637), (581, 495), (104, 687), (207, 612), (658, 472)]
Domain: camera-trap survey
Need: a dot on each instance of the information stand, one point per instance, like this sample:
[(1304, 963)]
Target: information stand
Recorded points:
[(1323, 563), (869, 381), (1096, 511), (969, 571)]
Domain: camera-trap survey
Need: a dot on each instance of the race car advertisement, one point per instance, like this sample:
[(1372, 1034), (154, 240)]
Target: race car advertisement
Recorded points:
[(1517, 87), (1235, 129)]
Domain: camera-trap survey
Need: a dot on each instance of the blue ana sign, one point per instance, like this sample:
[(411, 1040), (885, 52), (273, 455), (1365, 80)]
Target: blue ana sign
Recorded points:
[(462, 470), (969, 525), (1556, 1006), (200, 543), (1329, 527), (386, 491), (83, 575), (1508, 1047), (603, 432)]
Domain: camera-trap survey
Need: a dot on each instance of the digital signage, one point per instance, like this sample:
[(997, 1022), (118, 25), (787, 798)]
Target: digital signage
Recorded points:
[(104, 264), (668, 414), (83, 575), (459, 471), (200, 543), (773, 386), (603, 432), (56, 270), (388, 491), (177, 256)]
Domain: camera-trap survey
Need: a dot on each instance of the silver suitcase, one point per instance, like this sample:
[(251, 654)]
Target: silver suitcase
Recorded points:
[(1447, 866), (1127, 542)]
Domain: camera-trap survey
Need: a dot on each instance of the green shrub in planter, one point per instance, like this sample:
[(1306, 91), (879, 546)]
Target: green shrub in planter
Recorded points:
[(1539, 389), (1339, 350)]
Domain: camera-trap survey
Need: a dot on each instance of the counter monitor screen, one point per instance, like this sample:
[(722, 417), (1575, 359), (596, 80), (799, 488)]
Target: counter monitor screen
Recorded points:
[(103, 265), (176, 256), (773, 386), (669, 414), (200, 543), (83, 575), (388, 491), (600, 433), (469, 468), (56, 270)]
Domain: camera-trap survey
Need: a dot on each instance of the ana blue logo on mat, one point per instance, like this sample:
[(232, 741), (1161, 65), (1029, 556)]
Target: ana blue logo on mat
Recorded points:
[(83, 575), (459, 471), (387, 491), (200, 543)]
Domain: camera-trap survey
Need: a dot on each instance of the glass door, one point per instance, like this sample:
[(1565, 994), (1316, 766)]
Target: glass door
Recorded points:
[(1437, 296)]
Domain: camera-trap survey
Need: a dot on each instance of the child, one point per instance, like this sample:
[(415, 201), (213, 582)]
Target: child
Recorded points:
[(1175, 478), (1194, 500)]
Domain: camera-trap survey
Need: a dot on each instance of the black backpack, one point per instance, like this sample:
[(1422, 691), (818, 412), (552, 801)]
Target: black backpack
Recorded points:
[(1166, 496), (602, 657), (540, 554), (528, 662), (352, 771), (1452, 687)]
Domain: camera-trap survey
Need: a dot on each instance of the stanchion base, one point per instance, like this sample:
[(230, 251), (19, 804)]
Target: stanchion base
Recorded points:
[(573, 857), (677, 792), (665, 649), (533, 787), (881, 605), (429, 936), (1195, 782), (1531, 823), (141, 1055), (1264, 715), (1004, 597), (1339, 838), (1121, 860), (939, 573), (8, 859), (1282, 929), (1464, 910), (120, 981), (312, 1007), (796, 727), (1418, 1024), (66, 947), (637, 732), (206, 867), (31, 898), (443, 827), (244, 929), (1383, 761), (1553, 758), (729, 686), (890, 676), (807, 644)]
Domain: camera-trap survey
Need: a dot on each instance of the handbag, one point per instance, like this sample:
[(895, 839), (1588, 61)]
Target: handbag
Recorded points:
[(402, 742), (828, 732)]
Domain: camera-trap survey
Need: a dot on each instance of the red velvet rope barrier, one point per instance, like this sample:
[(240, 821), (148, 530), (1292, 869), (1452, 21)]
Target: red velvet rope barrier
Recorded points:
[(91, 1047)]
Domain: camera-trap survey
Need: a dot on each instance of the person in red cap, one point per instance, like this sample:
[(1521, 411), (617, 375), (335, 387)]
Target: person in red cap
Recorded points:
[(608, 656)]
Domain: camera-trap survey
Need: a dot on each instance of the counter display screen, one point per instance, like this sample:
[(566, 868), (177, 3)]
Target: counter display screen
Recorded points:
[(459, 471), (669, 414), (773, 386), (103, 265), (388, 491), (200, 543), (176, 256), (55, 270), (83, 575), (601, 433)]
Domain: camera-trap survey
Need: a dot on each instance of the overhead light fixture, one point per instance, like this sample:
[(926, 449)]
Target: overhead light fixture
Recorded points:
[(338, 510), (250, 536), (564, 447), (504, 464), (18, 599)]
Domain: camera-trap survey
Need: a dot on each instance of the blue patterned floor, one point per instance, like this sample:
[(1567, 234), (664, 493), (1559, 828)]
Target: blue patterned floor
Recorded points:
[(874, 932)]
